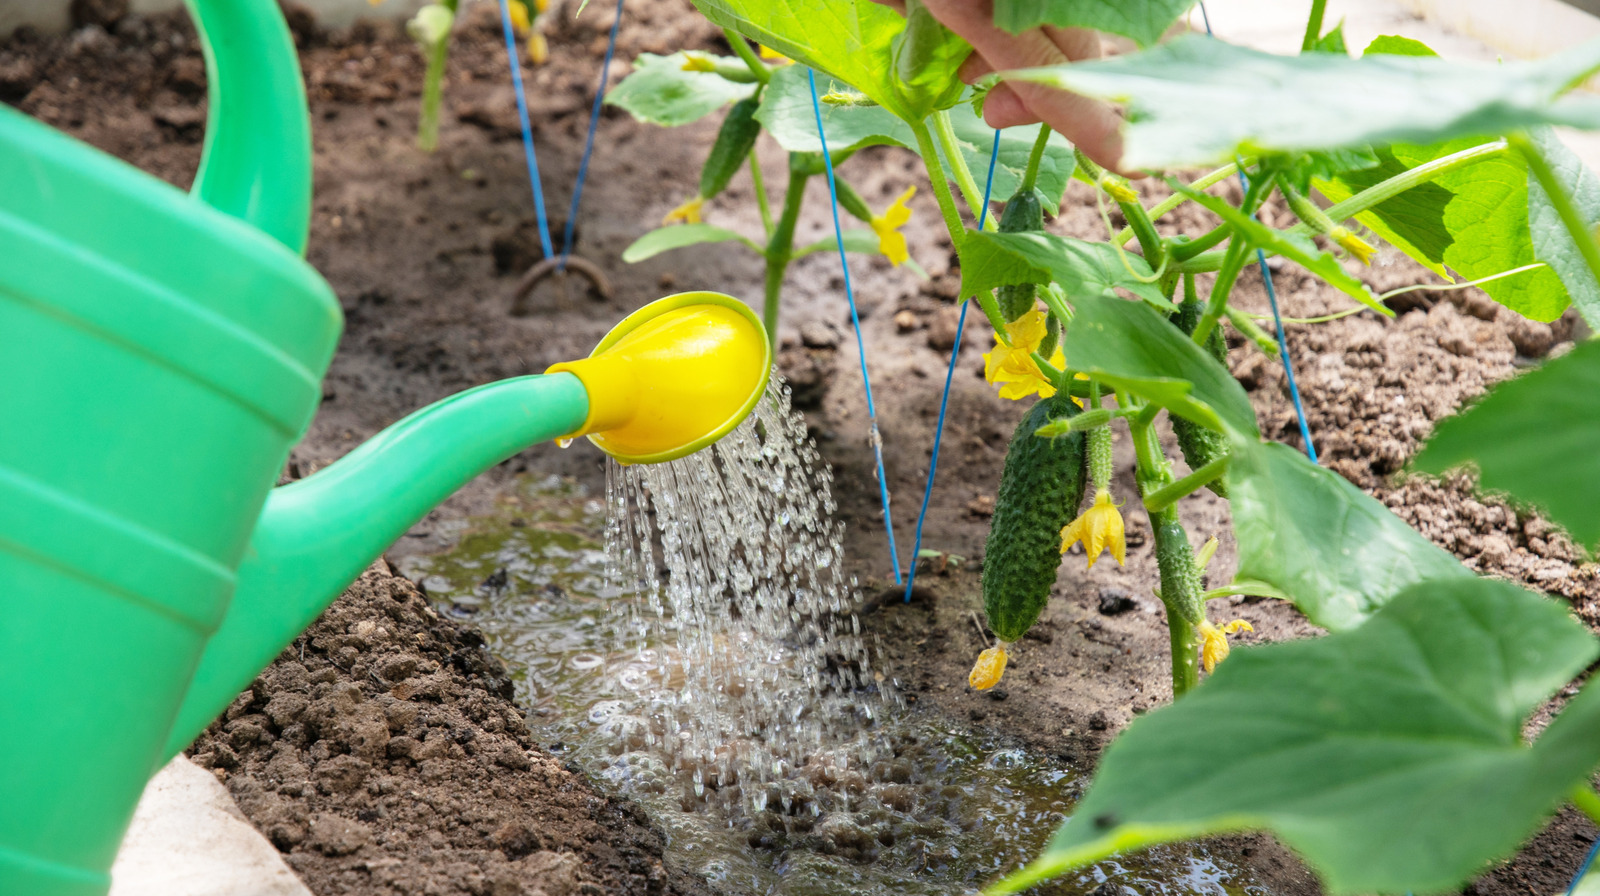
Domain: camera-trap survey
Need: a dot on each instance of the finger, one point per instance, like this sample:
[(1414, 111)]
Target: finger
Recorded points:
[(1090, 125), (1077, 44), (1002, 108), (973, 68)]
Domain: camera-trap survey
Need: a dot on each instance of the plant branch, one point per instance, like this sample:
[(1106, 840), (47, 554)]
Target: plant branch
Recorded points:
[(1180, 581), (1172, 492), (1030, 175), (952, 215), (780, 248), (1176, 199), (1252, 331), (1394, 186), (1313, 25), (761, 194), (958, 166), (758, 69)]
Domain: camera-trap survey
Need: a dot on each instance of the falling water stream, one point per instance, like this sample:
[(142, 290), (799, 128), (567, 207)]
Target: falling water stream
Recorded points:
[(705, 663)]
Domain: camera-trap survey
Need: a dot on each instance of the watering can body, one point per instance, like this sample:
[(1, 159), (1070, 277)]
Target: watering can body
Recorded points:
[(162, 353)]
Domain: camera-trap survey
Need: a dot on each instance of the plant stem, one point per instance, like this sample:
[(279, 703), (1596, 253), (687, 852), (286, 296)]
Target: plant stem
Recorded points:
[(1571, 218), (1177, 199), (433, 91), (1587, 802), (1030, 175), (1313, 25), (1185, 649), (952, 216), (779, 248), (741, 49), (958, 166), (761, 194), (1169, 494), (1145, 229), (1394, 186), (1253, 331), (1232, 263)]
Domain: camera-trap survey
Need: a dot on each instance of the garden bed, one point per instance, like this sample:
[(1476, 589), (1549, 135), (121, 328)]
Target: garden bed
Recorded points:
[(423, 252)]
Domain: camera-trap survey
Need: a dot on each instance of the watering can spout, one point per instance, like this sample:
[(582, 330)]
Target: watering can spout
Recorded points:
[(670, 379)]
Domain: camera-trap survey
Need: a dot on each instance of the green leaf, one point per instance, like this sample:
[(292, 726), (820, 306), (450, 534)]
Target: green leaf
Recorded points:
[(787, 115), (1552, 244), (1307, 533), (1396, 45), (1131, 346), (927, 56), (1534, 438), (1473, 220), (1389, 756), (1294, 247), (856, 239), (1142, 20), (1332, 42), (1197, 100), (990, 260), (660, 92), (677, 236), (854, 41)]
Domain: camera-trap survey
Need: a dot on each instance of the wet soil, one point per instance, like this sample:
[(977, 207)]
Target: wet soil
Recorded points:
[(423, 252)]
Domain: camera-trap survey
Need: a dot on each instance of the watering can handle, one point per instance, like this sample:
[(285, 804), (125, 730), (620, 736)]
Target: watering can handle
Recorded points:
[(256, 165)]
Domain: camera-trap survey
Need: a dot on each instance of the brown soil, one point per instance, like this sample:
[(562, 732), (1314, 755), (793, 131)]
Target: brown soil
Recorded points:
[(424, 250)]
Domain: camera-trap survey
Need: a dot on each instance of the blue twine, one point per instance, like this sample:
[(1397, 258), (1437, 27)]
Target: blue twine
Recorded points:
[(588, 143), (1584, 868), (855, 320), (527, 130), (949, 374), (1277, 319)]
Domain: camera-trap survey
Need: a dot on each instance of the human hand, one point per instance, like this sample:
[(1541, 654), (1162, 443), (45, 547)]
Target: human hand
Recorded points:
[(1090, 125)]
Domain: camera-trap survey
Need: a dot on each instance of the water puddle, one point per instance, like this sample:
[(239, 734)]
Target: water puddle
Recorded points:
[(728, 691)]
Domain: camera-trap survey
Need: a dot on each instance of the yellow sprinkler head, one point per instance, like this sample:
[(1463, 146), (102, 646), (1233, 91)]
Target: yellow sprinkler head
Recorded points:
[(673, 377)]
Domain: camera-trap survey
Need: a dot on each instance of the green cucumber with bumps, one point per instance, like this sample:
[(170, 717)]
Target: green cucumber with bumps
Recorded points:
[(1023, 214), (1040, 490), (735, 139), (1199, 444)]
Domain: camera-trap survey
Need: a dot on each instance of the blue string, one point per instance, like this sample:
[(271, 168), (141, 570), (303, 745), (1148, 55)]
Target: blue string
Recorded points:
[(527, 130), (1584, 868), (949, 374), (855, 320), (588, 143), (1277, 319)]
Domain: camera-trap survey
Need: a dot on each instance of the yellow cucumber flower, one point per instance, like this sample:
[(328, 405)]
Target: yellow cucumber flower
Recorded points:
[(891, 242), (520, 22), (540, 6), (1214, 641), (990, 666), (1099, 528), (538, 48), (773, 56), (1011, 364), (688, 212), (698, 62), (1353, 244)]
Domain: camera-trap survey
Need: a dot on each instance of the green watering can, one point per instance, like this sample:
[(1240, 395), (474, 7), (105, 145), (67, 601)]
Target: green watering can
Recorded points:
[(161, 353)]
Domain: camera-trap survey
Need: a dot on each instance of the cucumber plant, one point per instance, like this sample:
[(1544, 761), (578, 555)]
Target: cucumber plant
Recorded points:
[(1389, 753), (431, 26), (768, 93)]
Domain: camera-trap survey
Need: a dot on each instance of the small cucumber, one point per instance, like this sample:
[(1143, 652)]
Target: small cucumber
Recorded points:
[(1023, 214), (735, 139), (1040, 490), (1201, 445)]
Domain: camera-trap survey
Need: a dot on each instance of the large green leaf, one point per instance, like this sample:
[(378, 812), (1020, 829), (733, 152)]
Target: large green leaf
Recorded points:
[(677, 236), (1294, 247), (1536, 438), (1197, 100), (1389, 756), (660, 92), (990, 260), (856, 42), (1552, 244), (927, 56), (1142, 20), (1473, 220), (787, 114), (1131, 346), (1305, 532)]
